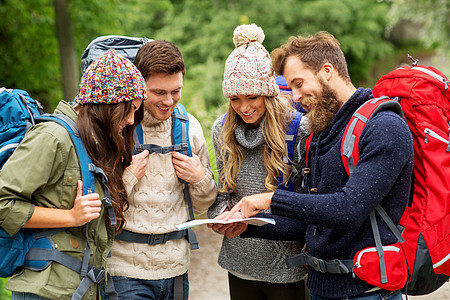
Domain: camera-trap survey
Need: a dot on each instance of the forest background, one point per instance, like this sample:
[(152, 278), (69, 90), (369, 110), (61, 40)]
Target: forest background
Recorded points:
[(41, 41)]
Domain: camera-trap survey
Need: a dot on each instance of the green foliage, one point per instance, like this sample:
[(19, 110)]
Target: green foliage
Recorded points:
[(4, 294), (430, 20), (28, 44), (203, 29), (28, 48)]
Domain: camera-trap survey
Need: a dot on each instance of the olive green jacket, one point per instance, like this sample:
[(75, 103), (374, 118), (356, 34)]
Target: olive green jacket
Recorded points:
[(44, 171)]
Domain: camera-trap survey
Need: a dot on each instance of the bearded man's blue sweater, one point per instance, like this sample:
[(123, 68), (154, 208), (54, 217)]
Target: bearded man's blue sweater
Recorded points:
[(338, 214)]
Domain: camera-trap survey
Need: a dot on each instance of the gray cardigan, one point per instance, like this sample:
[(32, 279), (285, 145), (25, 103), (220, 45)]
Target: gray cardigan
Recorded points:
[(251, 258)]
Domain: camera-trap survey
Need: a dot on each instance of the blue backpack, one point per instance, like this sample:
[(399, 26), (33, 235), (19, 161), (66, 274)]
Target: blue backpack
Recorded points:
[(18, 112), (29, 248)]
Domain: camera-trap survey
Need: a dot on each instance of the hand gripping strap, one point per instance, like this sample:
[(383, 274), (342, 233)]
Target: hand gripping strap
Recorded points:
[(106, 201), (355, 127), (88, 169), (180, 143)]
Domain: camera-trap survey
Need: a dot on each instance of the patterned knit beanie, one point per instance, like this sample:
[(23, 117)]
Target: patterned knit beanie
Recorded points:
[(248, 69), (111, 79)]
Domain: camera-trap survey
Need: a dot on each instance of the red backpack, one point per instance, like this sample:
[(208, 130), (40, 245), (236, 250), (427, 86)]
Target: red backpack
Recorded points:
[(424, 96)]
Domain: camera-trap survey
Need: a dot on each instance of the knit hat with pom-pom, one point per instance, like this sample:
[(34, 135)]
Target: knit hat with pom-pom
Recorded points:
[(248, 69)]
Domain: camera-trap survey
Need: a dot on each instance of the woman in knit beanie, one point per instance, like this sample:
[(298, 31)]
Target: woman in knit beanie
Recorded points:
[(42, 186), (250, 147)]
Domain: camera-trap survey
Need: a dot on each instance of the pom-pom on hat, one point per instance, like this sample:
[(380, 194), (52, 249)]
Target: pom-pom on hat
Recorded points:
[(248, 69), (111, 79)]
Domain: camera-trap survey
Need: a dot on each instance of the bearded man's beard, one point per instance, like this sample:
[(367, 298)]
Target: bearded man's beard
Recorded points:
[(325, 106)]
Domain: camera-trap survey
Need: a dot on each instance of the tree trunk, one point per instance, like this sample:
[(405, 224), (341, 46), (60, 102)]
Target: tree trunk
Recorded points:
[(68, 62)]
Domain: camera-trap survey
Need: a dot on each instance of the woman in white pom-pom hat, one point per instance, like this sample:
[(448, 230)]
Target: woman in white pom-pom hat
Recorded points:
[(252, 157)]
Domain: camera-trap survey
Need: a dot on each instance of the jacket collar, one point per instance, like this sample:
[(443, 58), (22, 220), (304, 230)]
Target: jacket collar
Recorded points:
[(65, 108)]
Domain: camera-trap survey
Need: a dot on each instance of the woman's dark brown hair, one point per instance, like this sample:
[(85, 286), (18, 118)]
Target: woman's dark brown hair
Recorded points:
[(110, 150)]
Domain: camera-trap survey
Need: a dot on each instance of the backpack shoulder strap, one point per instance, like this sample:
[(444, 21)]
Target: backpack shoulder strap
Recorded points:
[(307, 145), (180, 136), (87, 167), (180, 128), (291, 134), (290, 137), (355, 127), (139, 134), (87, 176)]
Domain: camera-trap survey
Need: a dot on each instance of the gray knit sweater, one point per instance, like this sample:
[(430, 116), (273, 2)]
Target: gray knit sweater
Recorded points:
[(250, 258)]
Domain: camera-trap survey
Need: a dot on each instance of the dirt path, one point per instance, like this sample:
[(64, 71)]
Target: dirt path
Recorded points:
[(208, 281)]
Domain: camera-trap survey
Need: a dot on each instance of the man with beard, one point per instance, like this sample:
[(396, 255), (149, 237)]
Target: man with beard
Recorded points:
[(336, 207)]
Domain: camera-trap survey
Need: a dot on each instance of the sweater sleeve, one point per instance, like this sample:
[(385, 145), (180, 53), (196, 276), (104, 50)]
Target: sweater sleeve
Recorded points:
[(204, 192), (386, 150), (285, 229), (129, 180)]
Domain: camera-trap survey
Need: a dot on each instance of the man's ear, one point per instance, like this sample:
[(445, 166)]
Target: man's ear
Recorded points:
[(327, 71)]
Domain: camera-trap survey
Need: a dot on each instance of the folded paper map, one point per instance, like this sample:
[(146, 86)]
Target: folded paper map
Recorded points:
[(251, 221)]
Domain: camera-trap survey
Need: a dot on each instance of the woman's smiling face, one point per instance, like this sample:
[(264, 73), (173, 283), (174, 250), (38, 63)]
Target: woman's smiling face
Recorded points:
[(250, 108)]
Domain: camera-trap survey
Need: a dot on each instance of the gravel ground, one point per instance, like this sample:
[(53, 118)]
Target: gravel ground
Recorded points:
[(208, 281)]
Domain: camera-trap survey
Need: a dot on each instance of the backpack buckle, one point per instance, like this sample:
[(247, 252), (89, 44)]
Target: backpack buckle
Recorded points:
[(138, 149), (184, 146), (107, 202), (156, 239), (319, 265), (96, 275)]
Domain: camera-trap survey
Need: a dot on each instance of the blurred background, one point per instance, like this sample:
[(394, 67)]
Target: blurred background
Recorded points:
[(41, 41)]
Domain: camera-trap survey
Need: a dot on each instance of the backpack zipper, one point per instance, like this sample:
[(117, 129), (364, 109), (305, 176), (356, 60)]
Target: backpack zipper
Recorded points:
[(431, 133), (373, 249), (433, 74), (10, 146), (448, 146)]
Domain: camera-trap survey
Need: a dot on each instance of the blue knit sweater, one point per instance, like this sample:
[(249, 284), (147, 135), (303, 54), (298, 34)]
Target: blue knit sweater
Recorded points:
[(338, 214)]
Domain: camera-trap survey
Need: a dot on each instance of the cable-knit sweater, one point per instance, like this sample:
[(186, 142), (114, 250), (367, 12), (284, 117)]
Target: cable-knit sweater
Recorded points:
[(338, 213), (157, 204), (251, 258)]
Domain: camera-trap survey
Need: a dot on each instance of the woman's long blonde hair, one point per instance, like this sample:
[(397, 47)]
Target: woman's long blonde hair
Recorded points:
[(276, 119)]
